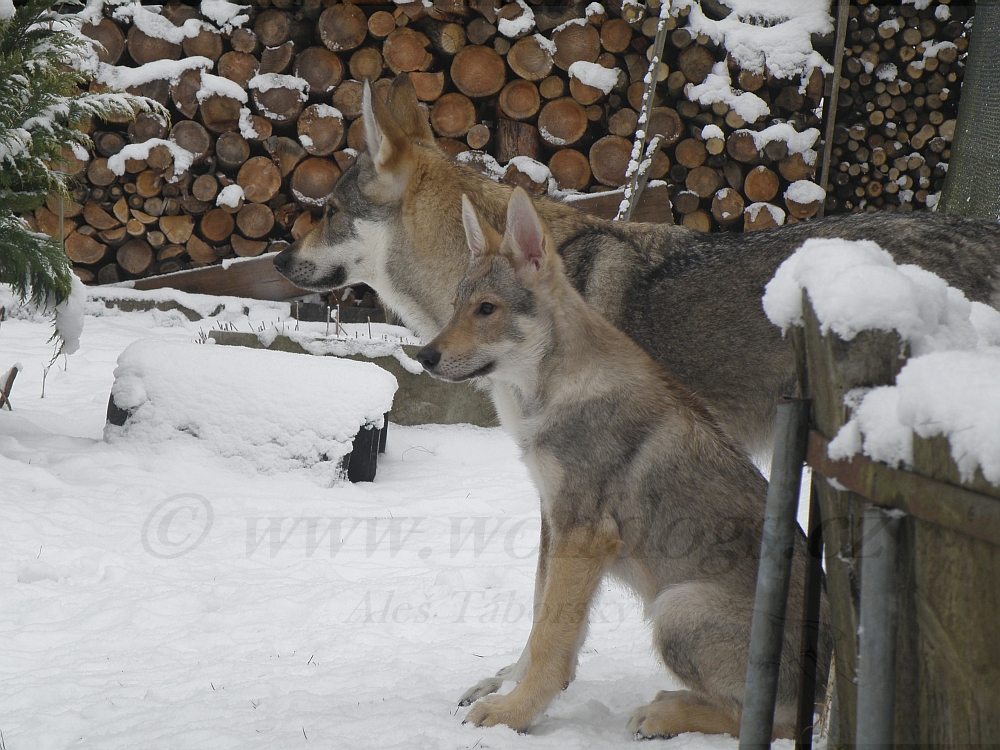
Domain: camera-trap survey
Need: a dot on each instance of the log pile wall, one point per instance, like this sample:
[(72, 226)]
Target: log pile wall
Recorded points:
[(901, 78), (560, 85)]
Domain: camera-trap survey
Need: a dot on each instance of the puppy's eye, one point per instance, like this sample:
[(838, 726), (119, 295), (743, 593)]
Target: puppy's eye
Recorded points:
[(487, 308), (330, 210)]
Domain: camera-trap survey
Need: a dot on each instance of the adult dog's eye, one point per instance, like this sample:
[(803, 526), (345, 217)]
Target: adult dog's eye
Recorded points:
[(330, 210), (487, 308)]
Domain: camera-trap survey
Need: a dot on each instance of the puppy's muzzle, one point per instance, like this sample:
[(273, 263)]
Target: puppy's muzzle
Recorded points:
[(429, 357)]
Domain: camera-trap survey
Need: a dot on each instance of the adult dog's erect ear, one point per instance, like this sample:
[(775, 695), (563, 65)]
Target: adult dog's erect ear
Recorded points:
[(525, 237), (387, 143), (482, 238), (473, 229), (405, 107)]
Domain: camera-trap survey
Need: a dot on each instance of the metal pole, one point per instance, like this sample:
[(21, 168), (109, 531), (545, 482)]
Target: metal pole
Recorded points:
[(767, 629), (810, 625), (877, 633)]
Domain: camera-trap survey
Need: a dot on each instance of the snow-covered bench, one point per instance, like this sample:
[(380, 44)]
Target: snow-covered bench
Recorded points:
[(276, 411)]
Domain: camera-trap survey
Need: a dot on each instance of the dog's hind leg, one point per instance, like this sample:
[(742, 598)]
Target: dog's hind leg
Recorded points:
[(676, 711), (702, 631)]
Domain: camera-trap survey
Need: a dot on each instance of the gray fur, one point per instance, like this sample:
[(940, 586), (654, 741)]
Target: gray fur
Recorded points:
[(692, 299)]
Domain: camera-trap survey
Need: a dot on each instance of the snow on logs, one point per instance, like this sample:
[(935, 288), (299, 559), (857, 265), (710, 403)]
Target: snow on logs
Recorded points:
[(266, 115)]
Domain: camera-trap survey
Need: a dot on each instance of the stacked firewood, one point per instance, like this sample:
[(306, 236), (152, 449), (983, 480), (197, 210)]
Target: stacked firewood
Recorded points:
[(898, 102), (267, 116)]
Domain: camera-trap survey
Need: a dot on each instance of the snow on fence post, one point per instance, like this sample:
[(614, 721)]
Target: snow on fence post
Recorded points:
[(832, 368), (906, 422)]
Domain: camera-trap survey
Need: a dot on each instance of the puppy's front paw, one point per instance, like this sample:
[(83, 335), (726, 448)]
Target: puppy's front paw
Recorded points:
[(500, 709), (480, 690)]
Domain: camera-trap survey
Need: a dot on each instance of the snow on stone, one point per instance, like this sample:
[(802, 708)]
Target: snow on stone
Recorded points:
[(226, 15), (775, 35), (230, 196), (718, 87), (151, 23), (182, 157), (804, 191), (546, 44), (212, 85), (592, 74), (520, 25), (259, 420), (712, 131), (246, 124), (776, 213), (266, 81), (122, 77), (348, 347)]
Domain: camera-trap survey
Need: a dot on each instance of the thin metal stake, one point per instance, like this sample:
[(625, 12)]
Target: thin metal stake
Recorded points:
[(877, 634), (767, 629), (810, 624)]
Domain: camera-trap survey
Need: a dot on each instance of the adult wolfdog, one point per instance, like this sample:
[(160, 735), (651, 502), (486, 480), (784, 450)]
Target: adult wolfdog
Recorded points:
[(636, 479), (692, 300)]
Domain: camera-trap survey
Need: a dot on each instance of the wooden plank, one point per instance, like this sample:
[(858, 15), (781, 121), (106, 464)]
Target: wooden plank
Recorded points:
[(928, 499), (256, 278)]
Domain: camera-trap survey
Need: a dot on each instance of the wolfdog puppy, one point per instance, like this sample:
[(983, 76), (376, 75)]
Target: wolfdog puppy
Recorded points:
[(636, 480)]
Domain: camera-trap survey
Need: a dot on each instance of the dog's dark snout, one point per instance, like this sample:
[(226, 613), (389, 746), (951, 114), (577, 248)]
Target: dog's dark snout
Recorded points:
[(429, 357), (283, 259)]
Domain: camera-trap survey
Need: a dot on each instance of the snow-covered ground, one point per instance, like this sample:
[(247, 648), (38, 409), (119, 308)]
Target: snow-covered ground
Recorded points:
[(163, 596)]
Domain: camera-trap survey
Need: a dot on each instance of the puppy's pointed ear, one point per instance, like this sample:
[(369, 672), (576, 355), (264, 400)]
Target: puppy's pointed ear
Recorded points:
[(525, 236), (405, 107), (387, 143), (473, 229)]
